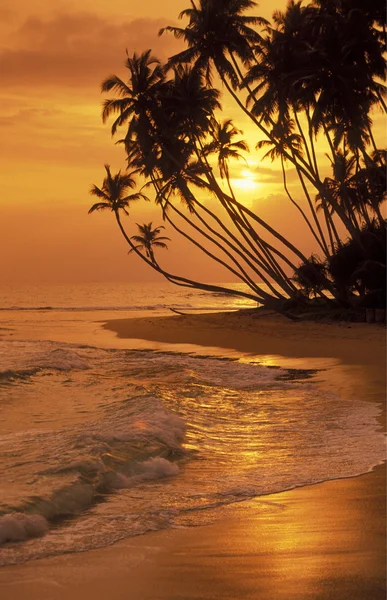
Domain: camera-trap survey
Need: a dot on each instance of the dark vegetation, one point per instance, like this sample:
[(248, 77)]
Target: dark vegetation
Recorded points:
[(314, 75)]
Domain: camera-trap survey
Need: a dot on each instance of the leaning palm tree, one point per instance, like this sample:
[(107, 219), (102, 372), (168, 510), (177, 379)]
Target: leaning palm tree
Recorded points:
[(148, 239), (190, 102), (113, 195), (218, 33), (223, 144), (136, 97)]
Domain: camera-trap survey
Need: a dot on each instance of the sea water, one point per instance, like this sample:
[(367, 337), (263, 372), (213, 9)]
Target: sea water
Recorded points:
[(100, 443)]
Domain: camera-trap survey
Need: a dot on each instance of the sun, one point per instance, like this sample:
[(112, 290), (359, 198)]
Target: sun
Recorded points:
[(247, 182)]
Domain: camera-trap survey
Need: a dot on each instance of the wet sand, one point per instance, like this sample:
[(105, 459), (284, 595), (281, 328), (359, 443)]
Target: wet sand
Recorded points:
[(322, 542)]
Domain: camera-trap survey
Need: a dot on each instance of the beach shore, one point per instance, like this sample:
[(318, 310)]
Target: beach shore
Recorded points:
[(321, 542)]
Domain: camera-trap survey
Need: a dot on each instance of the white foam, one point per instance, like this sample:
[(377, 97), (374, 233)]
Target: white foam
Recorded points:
[(149, 470), (158, 467), (17, 527), (238, 431), (27, 357)]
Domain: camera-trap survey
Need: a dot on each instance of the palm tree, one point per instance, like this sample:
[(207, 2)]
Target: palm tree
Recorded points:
[(139, 95), (342, 191), (340, 79), (189, 102), (217, 34), (175, 181), (223, 134), (148, 239), (113, 193), (113, 196), (136, 103)]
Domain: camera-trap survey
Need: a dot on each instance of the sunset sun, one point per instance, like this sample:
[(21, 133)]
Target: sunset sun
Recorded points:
[(246, 182)]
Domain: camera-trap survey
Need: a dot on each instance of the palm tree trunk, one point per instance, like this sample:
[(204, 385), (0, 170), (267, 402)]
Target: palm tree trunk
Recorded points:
[(277, 273), (301, 131), (224, 197), (310, 133), (270, 230), (245, 278), (299, 207), (257, 257), (304, 167), (314, 214), (262, 246), (185, 282), (283, 282), (381, 100), (331, 228), (220, 194), (214, 232)]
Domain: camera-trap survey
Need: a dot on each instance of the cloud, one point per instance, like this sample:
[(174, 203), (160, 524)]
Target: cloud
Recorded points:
[(7, 15), (268, 175), (77, 50)]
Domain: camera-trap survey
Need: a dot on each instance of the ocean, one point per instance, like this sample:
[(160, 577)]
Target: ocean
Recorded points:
[(103, 439)]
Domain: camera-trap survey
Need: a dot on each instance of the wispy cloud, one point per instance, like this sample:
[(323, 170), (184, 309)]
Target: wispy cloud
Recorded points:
[(76, 50)]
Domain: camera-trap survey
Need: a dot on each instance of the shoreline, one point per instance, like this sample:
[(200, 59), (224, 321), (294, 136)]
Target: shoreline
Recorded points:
[(322, 541), (256, 333)]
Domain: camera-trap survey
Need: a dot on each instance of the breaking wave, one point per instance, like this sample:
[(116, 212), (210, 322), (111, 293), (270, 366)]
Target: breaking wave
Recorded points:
[(116, 443)]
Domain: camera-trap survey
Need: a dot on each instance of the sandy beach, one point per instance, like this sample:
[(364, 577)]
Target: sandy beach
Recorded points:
[(321, 542)]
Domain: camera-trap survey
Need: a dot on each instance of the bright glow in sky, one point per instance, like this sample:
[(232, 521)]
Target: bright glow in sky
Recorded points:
[(248, 181)]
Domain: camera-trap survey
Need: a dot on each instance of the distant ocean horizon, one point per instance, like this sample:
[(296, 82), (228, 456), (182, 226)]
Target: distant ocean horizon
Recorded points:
[(101, 440), (131, 296)]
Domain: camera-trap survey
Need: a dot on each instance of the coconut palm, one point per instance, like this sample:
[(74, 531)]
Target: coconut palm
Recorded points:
[(343, 192), (189, 102), (318, 61), (342, 76), (223, 134), (148, 239), (218, 33), (174, 181), (136, 103), (138, 96), (113, 193), (113, 196)]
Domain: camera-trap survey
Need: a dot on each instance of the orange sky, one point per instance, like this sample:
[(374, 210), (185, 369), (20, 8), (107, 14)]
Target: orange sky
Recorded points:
[(53, 57)]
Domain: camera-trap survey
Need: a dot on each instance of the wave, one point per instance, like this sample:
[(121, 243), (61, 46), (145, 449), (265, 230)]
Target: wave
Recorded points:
[(101, 463), (35, 517), (136, 441), (239, 303), (112, 308), (21, 360), (129, 308), (15, 376)]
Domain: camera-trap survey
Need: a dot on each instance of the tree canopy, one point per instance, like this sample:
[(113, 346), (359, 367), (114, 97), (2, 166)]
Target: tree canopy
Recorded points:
[(315, 74)]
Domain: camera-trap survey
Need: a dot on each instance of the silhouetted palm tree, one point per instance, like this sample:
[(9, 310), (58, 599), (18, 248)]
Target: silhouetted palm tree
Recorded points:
[(223, 144), (190, 103), (316, 71), (136, 103), (347, 192), (148, 239), (113, 193), (218, 34), (138, 96), (113, 196)]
